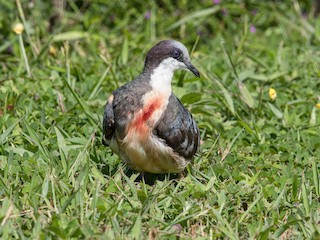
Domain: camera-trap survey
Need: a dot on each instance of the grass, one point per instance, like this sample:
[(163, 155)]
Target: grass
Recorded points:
[(257, 174)]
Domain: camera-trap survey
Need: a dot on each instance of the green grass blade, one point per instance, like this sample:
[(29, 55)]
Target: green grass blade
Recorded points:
[(70, 36), (246, 95), (191, 17), (83, 105), (316, 175), (275, 111), (63, 149), (7, 132), (305, 198), (98, 85), (245, 214), (224, 226), (136, 230), (125, 51), (34, 138)]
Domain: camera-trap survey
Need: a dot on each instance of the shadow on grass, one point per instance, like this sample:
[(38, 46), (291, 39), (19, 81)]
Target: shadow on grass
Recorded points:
[(150, 178)]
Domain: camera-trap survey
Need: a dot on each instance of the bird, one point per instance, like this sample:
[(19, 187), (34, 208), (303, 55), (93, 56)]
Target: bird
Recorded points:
[(145, 124)]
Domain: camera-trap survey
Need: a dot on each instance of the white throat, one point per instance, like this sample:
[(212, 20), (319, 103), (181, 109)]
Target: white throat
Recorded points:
[(160, 79)]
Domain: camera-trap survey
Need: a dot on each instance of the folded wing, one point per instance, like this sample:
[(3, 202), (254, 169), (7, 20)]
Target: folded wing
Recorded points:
[(178, 129)]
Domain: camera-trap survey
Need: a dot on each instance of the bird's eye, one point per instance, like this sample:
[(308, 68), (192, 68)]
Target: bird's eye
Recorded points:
[(176, 54)]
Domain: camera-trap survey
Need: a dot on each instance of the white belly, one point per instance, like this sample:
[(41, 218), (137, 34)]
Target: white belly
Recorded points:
[(150, 155)]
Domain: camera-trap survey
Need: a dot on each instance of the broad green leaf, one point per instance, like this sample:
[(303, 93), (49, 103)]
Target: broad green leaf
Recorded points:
[(192, 16), (136, 230), (277, 75), (227, 96), (125, 51), (190, 98), (295, 186), (68, 36), (45, 188), (313, 117), (19, 151), (62, 144), (305, 198), (6, 133), (245, 95), (228, 99), (316, 175), (275, 110)]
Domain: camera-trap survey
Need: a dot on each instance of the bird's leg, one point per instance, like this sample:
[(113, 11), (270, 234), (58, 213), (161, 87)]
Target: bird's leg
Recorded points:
[(181, 175)]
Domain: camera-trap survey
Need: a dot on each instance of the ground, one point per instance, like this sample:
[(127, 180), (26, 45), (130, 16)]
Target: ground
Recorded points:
[(257, 104)]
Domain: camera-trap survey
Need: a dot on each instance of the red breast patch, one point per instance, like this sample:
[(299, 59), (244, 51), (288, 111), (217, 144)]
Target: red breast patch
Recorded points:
[(140, 121)]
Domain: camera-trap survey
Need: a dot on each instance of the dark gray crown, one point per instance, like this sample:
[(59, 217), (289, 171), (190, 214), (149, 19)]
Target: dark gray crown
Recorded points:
[(163, 50)]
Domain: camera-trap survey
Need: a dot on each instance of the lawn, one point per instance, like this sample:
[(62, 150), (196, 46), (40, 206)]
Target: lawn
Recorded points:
[(257, 104)]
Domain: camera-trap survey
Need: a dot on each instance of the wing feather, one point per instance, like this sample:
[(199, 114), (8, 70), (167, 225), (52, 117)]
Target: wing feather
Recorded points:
[(108, 122), (178, 129)]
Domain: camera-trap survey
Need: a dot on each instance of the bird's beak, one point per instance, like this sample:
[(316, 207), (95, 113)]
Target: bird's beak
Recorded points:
[(192, 68)]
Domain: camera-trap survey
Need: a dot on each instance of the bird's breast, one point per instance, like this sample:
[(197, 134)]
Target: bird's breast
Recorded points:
[(145, 119), (145, 151)]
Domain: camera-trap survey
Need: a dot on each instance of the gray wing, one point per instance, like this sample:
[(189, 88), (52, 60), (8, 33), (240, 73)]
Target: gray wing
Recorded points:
[(178, 129), (108, 122), (120, 108)]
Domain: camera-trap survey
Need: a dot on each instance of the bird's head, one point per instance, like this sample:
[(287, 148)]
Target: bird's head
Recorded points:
[(169, 54)]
